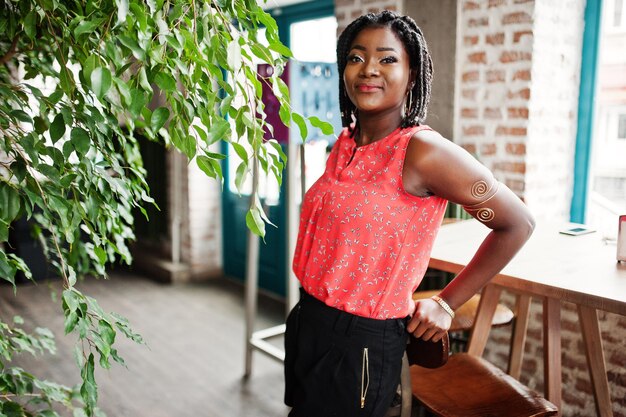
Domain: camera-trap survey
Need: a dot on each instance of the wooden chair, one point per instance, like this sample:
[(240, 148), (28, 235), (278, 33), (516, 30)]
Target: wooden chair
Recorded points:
[(470, 386)]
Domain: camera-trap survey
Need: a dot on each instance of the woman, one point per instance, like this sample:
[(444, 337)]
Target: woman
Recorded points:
[(368, 225)]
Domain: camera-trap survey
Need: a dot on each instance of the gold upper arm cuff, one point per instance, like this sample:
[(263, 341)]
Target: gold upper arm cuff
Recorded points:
[(480, 189)]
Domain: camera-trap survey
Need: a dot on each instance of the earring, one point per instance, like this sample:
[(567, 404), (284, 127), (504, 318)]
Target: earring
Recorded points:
[(408, 104)]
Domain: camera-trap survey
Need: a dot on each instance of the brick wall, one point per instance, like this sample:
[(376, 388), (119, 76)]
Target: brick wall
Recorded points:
[(205, 215), (348, 10), (199, 202), (494, 63), (557, 50)]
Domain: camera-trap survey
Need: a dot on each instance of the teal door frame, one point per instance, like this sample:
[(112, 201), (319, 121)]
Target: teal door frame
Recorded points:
[(273, 254), (586, 107)]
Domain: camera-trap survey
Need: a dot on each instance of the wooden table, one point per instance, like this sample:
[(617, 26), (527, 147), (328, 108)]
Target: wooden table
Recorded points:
[(553, 267)]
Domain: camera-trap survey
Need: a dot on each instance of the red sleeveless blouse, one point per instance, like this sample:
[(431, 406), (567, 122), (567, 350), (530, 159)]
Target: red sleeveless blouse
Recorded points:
[(364, 243)]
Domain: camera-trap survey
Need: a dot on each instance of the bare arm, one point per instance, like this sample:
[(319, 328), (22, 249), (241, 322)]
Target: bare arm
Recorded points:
[(444, 169)]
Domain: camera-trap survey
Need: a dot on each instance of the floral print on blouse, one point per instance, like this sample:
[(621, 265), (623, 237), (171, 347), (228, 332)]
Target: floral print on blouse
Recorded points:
[(364, 243)]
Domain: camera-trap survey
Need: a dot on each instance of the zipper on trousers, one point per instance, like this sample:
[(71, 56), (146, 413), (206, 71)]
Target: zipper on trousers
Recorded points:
[(365, 376)]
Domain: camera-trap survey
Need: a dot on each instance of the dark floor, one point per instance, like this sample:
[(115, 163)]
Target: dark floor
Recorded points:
[(194, 359)]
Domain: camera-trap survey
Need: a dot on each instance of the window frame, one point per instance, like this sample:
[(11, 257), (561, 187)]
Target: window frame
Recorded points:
[(586, 109)]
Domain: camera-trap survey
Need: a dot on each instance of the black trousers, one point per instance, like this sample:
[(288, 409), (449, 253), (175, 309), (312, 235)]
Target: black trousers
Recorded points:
[(339, 364)]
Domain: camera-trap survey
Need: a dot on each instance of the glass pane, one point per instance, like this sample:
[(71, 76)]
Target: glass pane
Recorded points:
[(314, 88), (607, 188), (617, 13), (621, 127), (314, 40)]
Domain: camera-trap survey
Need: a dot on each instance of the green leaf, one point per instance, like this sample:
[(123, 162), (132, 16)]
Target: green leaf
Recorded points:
[(106, 332), (40, 124), (143, 80), (30, 24), (159, 118), (55, 96), (71, 276), (70, 300), (240, 151), (87, 26), (7, 270), (188, 146), (213, 155), (254, 222), (101, 254), (89, 388), (240, 175), (304, 132), (132, 44), (280, 89), (285, 115), (100, 81), (57, 128), (281, 49), (225, 104), (22, 116), (165, 81), (267, 20), (66, 80), (123, 89), (279, 149), (4, 232), (257, 204), (325, 127), (139, 100), (9, 203), (204, 163), (201, 133), (219, 130), (80, 140), (71, 320), (11, 409)]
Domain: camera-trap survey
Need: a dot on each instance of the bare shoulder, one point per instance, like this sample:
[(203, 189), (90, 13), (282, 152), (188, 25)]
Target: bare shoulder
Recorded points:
[(430, 147), (428, 138)]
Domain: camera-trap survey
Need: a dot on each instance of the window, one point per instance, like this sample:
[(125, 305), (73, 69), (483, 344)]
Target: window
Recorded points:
[(616, 15), (621, 126), (601, 197)]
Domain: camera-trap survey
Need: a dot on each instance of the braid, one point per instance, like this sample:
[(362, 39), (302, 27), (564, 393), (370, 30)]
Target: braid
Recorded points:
[(420, 61)]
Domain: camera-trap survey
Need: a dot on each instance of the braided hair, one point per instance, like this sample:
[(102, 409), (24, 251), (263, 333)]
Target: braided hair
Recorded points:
[(420, 61)]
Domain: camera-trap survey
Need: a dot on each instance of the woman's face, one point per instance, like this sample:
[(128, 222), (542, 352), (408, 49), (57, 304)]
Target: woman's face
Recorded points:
[(377, 72)]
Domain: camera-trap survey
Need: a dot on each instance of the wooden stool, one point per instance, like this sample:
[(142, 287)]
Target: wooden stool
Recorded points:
[(469, 386), (464, 317)]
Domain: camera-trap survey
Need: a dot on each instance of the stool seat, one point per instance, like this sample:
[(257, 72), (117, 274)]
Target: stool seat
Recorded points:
[(470, 386), (464, 315)]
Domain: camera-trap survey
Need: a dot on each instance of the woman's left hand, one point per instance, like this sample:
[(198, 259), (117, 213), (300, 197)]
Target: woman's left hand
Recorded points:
[(429, 321)]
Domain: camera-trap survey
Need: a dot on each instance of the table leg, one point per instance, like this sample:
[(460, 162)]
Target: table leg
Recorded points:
[(595, 359), (484, 317), (552, 350), (518, 337)]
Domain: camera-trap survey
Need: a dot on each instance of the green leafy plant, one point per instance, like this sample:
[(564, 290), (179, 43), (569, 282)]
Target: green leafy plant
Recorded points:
[(76, 83)]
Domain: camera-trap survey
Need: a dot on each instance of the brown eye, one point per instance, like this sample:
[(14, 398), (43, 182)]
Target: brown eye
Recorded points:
[(355, 58)]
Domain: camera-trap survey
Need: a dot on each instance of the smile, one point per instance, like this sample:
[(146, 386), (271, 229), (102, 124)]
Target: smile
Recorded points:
[(368, 88)]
